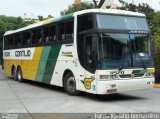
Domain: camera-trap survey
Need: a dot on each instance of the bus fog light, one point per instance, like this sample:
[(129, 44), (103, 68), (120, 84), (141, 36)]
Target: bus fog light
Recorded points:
[(111, 86), (150, 83), (108, 87)]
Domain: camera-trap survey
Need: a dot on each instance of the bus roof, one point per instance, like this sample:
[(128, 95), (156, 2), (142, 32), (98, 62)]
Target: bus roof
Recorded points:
[(52, 20), (111, 11)]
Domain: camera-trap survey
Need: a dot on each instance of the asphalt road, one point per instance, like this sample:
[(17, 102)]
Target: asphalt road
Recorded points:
[(31, 97)]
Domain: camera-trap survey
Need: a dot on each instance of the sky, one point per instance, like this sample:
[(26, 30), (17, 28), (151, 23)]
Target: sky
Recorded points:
[(48, 7)]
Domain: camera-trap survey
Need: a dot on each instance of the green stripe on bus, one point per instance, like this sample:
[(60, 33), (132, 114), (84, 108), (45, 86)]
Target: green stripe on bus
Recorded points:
[(139, 71), (42, 63), (51, 62), (61, 18)]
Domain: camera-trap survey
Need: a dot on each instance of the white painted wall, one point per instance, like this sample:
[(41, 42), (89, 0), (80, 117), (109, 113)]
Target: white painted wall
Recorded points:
[(110, 4)]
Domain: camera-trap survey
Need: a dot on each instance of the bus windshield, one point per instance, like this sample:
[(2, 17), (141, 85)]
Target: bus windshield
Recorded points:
[(117, 50), (113, 41), (105, 21)]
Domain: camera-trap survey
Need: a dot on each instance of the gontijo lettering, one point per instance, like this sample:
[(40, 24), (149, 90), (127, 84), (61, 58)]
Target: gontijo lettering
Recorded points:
[(23, 53)]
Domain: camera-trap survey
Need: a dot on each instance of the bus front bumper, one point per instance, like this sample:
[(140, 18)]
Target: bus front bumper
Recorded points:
[(117, 86)]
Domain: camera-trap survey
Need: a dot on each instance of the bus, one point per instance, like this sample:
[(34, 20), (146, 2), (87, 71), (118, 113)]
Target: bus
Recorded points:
[(98, 51)]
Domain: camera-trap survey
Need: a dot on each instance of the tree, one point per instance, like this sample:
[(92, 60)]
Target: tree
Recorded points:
[(156, 37), (75, 7), (141, 8), (155, 22), (40, 18), (2, 30), (49, 16)]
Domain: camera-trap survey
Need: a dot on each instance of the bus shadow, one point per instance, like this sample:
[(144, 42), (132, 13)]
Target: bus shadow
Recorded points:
[(45, 86), (112, 97), (84, 95)]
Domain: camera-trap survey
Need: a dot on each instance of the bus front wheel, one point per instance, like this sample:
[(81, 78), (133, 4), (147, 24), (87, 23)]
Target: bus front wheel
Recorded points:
[(70, 84)]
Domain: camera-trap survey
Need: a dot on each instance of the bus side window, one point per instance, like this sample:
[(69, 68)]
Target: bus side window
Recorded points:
[(34, 39), (28, 38), (50, 34), (53, 33), (46, 34), (6, 38), (85, 22), (23, 39), (61, 31), (40, 35), (19, 40), (69, 30), (10, 42), (14, 40)]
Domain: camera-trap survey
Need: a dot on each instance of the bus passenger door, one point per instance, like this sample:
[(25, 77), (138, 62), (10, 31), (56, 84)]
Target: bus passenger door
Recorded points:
[(87, 58), (90, 52)]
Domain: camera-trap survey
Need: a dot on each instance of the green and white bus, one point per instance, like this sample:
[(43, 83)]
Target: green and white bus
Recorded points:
[(99, 51)]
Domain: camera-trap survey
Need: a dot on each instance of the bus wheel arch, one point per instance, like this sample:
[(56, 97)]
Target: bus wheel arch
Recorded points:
[(19, 74), (69, 83), (13, 72)]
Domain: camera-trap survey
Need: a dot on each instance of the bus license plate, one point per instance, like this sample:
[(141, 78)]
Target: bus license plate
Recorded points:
[(112, 91)]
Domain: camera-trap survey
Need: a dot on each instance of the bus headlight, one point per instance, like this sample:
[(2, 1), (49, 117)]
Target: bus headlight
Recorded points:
[(149, 75)]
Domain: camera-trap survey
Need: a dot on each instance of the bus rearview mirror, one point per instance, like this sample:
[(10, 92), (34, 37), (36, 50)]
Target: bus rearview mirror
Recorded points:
[(132, 36)]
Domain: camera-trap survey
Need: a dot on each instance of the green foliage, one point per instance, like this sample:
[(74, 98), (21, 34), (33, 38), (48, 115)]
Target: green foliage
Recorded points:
[(50, 16), (40, 18), (141, 8), (156, 37), (74, 8), (155, 22)]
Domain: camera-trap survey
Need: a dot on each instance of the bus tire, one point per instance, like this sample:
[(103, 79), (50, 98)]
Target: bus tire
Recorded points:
[(70, 84), (13, 73), (19, 75)]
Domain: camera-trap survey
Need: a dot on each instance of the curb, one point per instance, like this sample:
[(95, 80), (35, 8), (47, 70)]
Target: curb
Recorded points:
[(156, 86)]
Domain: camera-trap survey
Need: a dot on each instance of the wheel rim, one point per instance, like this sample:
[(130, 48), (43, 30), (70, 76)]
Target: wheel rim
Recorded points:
[(14, 74), (71, 84), (19, 75)]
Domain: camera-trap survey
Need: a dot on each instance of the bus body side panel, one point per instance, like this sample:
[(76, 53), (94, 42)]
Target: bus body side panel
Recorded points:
[(64, 59), (42, 63), (47, 63), (28, 62), (8, 63), (67, 60), (33, 64)]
